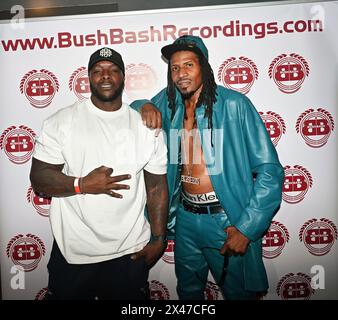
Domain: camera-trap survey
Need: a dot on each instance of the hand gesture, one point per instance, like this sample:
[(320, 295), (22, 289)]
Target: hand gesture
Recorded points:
[(99, 181)]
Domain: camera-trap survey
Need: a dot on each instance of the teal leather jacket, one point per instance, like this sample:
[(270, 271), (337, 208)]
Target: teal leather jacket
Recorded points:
[(242, 163)]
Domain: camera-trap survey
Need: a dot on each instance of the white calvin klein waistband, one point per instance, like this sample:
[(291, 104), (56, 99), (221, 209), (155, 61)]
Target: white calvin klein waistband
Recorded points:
[(200, 198)]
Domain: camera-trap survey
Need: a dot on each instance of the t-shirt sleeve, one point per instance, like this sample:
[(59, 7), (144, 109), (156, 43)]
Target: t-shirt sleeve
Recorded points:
[(48, 145), (157, 163)]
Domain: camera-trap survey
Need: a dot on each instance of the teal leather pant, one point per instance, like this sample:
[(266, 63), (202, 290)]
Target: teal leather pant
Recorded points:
[(198, 240)]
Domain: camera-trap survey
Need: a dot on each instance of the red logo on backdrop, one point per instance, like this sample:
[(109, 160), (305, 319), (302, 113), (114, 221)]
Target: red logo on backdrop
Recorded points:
[(289, 72), (40, 203), (297, 182), (274, 240), (141, 81), (293, 286), (274, 124), (158, 291), (318, 235), (79, 83), (238, 74), (315, 127), (39, 87), (26, 251), (41, 295), (18, 143), (211, 291), (168, 255)]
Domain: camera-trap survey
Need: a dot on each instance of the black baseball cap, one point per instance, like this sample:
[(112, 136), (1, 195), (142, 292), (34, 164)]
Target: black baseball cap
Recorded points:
[(106, 54)]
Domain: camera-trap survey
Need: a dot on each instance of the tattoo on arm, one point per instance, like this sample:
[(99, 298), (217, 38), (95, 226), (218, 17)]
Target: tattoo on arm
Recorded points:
[(47, 179), (157, 201)]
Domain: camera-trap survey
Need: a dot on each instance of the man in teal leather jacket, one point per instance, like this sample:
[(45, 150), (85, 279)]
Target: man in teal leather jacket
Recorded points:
[(224, 176)]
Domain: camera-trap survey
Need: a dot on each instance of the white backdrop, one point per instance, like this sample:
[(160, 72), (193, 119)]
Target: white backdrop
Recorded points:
[(283, 56)]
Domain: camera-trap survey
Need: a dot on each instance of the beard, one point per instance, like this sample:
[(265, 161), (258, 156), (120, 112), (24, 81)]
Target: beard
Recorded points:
[(109, 98), (187, 95)]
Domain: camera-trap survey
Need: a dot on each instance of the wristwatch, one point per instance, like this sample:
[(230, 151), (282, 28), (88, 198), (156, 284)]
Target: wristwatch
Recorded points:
[(161, 237)]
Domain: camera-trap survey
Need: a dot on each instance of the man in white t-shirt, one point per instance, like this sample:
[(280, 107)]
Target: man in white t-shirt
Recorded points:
[(102, 166)]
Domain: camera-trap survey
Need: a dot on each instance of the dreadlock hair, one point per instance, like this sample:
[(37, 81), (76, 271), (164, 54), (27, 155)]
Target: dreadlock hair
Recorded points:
[(207, 96)]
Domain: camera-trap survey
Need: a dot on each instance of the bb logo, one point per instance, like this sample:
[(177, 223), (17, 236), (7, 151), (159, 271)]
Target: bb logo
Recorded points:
[(158, 291), (238, 74), (315, 127), (141, 81), (211, 291), (274, 240), (41, 295), (79, 83), (168, 255), (297, 182), (39, 87), (318, 236), (289, 72), (26, 251), (295, 287), (274, 124), (18, 143), (40, 203)]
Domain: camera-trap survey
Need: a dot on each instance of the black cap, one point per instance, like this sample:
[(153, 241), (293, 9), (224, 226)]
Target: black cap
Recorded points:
[(106, 54)]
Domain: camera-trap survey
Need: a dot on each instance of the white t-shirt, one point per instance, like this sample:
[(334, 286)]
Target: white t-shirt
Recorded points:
[(92, 228)]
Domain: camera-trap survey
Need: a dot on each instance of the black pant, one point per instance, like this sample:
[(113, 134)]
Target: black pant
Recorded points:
[(117, 279)]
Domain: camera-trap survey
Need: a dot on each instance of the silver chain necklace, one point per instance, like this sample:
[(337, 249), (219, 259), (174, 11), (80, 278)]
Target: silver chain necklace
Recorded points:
[(189, 164)]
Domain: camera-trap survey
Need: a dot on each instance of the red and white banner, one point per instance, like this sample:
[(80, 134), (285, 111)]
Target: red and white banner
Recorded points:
[(284, 57)]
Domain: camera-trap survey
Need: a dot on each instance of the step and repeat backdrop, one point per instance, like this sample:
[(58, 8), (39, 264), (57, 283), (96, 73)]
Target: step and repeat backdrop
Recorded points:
[(284, 57)]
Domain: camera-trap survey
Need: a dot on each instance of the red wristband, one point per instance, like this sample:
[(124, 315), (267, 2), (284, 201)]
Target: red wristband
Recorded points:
[(76, 185)]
